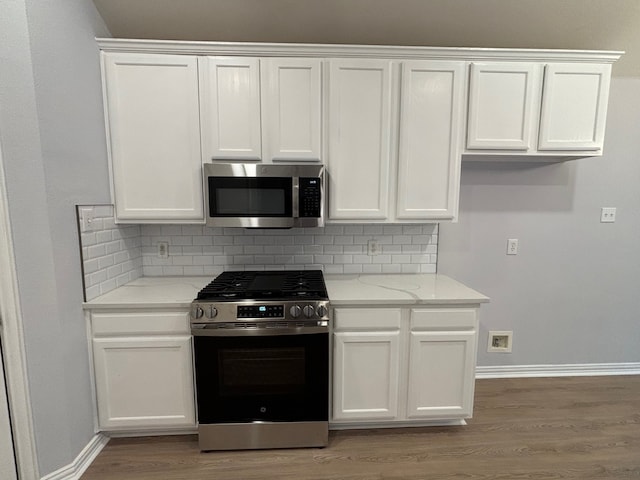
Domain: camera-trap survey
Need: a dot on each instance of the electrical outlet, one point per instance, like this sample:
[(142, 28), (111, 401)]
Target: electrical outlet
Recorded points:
[(373, 247), (512, 246), (500, 342), (163, 249), (607, 214), (86, 219)]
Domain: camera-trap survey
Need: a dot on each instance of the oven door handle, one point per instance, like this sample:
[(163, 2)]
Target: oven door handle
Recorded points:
[(255, 332)]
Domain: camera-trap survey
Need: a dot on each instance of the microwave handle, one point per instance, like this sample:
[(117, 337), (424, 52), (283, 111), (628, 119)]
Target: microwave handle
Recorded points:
[(296, 197)]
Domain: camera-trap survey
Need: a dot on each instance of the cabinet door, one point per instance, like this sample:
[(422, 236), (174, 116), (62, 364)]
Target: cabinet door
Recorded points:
[(430, 128), (574, 107), (291, 93), (359, 139), (230, 96), (144, 382), (365, 375), (441, 374), (502, 105), (154, 136)]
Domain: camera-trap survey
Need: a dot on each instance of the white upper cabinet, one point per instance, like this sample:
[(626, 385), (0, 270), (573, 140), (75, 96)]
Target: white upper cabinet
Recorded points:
[(533, 108), (359, 139), (261, 109), (153, 128), (388, 166), (502, 100), (574, 107), (431, 124), (293, 108), (230, 90)]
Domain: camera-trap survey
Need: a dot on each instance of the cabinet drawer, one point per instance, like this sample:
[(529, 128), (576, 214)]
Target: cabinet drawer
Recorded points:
[(143, 323), (443, 319), (367, 318)]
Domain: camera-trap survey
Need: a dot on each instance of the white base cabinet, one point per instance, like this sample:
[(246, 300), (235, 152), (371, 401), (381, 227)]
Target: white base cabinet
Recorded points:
[(399, 365), (143, 370)]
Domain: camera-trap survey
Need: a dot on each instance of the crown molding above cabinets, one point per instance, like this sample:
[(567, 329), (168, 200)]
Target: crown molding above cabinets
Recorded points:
[(392, 124)]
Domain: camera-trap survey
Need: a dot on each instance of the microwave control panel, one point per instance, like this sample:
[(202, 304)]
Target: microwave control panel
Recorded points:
[(310, 196)]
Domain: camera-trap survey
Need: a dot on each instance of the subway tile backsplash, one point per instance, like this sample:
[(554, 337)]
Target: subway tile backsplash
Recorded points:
[(199, 250), (116, 254), (111, 254)]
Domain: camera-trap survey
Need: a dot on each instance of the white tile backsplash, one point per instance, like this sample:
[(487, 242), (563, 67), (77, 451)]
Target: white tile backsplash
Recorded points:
[(111, 254), (117, 254), (334, 249)]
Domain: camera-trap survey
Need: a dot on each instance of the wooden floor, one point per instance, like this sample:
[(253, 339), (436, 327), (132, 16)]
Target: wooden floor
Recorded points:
[(546, 428)]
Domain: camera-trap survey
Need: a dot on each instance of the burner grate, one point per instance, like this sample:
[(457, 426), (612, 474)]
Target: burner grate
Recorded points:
[(291, 284)]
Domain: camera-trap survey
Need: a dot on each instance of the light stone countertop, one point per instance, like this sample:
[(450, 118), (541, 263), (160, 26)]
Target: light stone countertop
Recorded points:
[(151, 292), (399, 289), (380, 289)]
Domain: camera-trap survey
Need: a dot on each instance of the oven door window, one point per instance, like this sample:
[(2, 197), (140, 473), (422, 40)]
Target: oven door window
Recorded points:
[(279, 378), (250, 196)]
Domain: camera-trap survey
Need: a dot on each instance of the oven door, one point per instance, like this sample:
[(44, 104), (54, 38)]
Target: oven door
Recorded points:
[(244, 378)]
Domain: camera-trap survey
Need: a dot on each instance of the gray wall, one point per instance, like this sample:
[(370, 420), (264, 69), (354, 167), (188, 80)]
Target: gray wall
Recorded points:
[(571, 295), (52, 132)]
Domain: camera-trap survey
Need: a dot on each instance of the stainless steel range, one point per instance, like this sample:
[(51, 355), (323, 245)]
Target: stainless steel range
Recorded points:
[(261, 354)]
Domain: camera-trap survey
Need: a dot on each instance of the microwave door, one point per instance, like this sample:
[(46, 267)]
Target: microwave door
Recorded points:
[(254, 202)]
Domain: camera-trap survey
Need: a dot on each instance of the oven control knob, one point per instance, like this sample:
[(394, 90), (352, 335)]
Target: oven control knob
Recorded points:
[(211, 311), (309, 311), (197, 312), (295, 311), (321, 311)]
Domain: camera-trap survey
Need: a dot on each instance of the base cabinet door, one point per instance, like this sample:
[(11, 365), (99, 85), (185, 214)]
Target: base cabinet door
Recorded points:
[(144, 382), (441, 369), (366, 375)]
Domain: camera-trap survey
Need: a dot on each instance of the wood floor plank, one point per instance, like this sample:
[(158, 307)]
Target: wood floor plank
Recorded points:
[(541, 428)]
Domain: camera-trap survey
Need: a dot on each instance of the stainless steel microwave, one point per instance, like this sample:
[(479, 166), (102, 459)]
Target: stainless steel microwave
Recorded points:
[(264, 195)]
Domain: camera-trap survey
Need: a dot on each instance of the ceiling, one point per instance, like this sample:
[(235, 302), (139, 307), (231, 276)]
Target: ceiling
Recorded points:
[(564, 24)]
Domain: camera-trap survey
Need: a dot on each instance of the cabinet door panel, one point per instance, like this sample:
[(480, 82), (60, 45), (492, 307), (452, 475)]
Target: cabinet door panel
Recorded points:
[(154, 136), (502, 99), (359, 138), (574, 107), (230, 94), (430, 125), (144, 382), (441, 374), (292, 121), (365, 375)]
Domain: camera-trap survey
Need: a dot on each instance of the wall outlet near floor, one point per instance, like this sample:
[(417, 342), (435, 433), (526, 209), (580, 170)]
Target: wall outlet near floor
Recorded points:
[(500, 342), (373, 247), (86, 219), (607, 214), (512, 246), (163, 249)]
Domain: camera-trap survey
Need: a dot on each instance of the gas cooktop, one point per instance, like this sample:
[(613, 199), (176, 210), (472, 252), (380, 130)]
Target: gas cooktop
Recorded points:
[(267, 285), (258, 296)]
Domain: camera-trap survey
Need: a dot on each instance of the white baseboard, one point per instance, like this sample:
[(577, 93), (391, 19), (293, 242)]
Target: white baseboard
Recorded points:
[(575, 370), (75, 469)]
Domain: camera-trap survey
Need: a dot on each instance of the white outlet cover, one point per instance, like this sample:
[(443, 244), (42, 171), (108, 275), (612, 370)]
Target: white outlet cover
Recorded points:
[(86, 219), (607, 214)]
